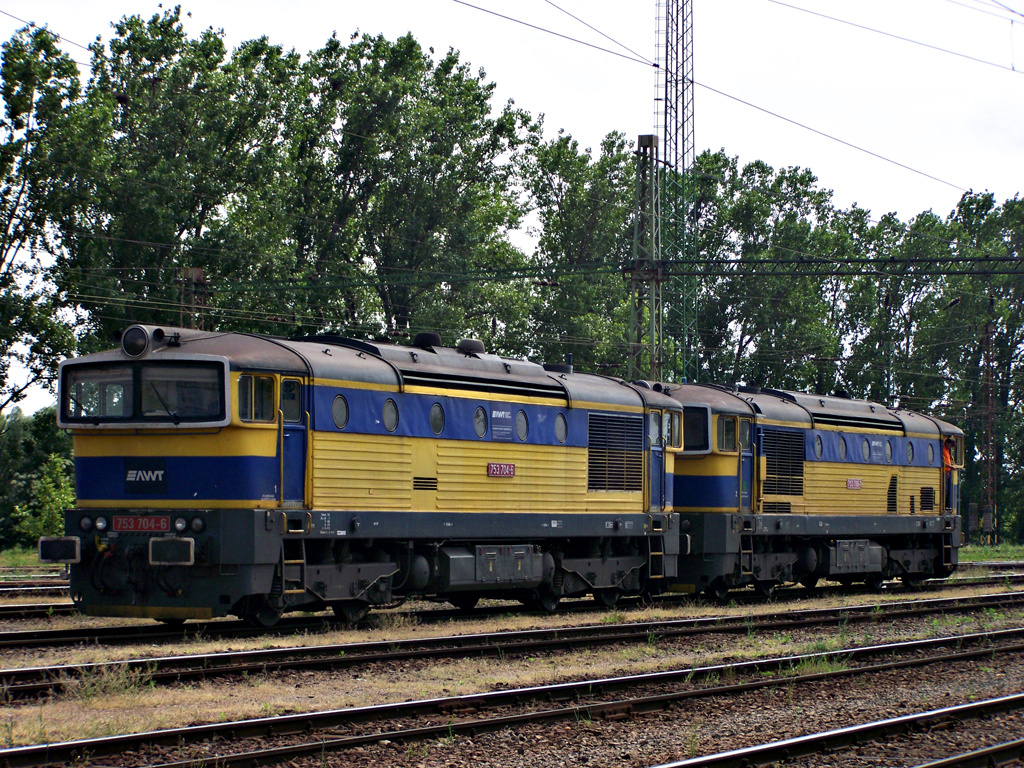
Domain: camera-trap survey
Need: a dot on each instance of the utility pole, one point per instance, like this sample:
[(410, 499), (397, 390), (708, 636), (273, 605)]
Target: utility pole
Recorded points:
[(675, 117), (989, 458), (192, 297), (645, 272)]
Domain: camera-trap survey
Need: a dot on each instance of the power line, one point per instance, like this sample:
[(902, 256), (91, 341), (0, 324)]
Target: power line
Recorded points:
[(898, 37), (602, 34), (831, 137), (557, 34)]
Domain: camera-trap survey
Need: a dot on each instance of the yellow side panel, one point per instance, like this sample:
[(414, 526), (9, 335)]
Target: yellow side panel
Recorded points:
[(361, 472), (912, 480), (547, 479), (826, 490), (260, 440), (377, 473)]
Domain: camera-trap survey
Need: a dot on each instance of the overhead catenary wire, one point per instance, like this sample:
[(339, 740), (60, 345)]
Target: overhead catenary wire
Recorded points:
[(911, 41)]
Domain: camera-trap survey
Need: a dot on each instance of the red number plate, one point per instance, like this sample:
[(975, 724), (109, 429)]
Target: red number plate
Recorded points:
[(142, 524), (501, 470)]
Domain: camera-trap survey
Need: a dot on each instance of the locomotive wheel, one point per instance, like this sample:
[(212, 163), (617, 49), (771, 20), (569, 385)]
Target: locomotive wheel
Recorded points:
[(260, 613), (607, 598), (718, 591), (464, 602), (352, 611), (810, 581), (874, 582), (544, 600), (765, 587), (912, 580)]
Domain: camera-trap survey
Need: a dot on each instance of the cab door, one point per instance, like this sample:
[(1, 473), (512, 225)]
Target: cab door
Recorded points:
[(657, 461), (293, 442), (746, 465)]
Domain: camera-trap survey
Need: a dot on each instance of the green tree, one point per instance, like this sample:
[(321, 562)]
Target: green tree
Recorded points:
[(27, 445), (758, 327), (40, 85), (51, 492), (584, 205), (176, 130)]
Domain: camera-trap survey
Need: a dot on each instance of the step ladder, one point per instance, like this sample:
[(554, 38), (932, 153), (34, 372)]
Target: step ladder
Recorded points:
[(293, 554)]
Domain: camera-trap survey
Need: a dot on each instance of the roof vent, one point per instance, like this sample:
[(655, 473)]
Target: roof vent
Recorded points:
[(471, 347), (427, 340)]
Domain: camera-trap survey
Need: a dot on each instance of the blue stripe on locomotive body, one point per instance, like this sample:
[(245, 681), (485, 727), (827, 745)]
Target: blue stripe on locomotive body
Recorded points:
[(189, 478), (707, 492), (366, 409), (831, 451)]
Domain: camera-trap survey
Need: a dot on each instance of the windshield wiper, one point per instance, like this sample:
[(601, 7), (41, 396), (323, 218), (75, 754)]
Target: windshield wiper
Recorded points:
[(167, 408)]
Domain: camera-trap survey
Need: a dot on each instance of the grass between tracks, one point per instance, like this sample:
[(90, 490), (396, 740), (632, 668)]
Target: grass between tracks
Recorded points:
[(974, 553), (113, 702)]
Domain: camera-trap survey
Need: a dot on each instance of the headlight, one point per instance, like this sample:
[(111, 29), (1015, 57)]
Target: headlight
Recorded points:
[(198, 525), (85, 524), (101, 523), (180, 524), (135, 341)]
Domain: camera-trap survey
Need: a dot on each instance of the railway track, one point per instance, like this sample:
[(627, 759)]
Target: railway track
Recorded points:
[(30, 682), (233, 628), (266, 741), (839, 739)]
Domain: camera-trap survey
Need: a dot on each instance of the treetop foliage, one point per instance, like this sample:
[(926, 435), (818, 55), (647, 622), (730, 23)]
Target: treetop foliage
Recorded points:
[(375, 189)]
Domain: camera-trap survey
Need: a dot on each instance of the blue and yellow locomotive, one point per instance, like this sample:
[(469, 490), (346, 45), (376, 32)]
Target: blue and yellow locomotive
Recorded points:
[(775, 487), (231, 473), (228, 473)]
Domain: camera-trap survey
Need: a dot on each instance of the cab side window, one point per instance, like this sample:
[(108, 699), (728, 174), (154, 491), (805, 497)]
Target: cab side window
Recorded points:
[(726, 434), (291, 400), (256, 398)]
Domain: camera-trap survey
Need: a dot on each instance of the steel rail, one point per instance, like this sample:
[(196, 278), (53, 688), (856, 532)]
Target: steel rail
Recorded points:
[(998, 754), (45, 610), (450, 708), (28, 682), (841, 738)]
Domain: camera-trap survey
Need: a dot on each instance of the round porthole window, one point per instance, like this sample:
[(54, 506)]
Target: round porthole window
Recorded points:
[(819, 447), (390, 415), (480, 422), (561, 428), (522, 425), (865, 450), (888, 451), (436, 419), (910, 453), (931, 454), (339, 411), (842, 448)]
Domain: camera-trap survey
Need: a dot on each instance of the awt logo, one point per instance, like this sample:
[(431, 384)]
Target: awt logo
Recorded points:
[(145, 476)]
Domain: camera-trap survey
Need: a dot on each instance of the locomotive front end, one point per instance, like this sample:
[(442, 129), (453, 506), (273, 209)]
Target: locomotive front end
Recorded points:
[(168, 487)]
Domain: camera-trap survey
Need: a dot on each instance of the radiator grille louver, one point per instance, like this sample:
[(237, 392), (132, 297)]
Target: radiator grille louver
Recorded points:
[(927, 499), (893, 496), (424, 483), (615, 454), (784, 452)]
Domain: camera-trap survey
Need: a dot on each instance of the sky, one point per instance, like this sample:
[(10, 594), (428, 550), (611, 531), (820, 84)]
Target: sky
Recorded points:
[(896, 105)]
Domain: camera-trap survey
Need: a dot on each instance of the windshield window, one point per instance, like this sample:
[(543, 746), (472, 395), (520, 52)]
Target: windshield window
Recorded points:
[(159, 392)]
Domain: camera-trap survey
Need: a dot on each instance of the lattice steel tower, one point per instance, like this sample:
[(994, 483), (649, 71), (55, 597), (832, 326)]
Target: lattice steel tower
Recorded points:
[(674, 120)]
